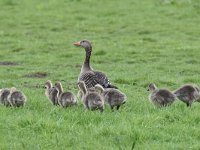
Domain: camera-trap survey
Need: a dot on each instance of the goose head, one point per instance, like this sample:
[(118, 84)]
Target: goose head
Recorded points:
[(151, 87), (85, 44)]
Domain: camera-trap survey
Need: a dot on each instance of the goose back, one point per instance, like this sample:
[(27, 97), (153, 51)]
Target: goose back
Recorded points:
[(91, 78)]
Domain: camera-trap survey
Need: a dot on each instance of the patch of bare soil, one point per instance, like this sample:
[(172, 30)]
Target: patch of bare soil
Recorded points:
[(37, 75), (35, 86), (8, 63)]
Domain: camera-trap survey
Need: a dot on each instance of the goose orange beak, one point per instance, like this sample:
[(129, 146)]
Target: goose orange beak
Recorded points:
[(77, 44)]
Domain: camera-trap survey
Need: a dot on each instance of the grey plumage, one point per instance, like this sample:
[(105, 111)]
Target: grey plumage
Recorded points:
[(113, 97), (4, 96), (65, 99), (88, 75), (92, 100), (160, 97), (80, 93), (16, 98), (51, 93), (188, 94)]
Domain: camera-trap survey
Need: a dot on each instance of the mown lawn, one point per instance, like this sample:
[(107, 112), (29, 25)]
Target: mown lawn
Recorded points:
[(134, 43)]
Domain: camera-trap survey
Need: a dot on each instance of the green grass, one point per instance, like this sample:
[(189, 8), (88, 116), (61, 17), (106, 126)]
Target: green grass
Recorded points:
[(134, 43)]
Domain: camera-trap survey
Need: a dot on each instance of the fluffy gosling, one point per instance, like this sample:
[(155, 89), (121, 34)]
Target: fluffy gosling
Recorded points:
[(91, 100), (65, 99), (51, 93), (80, 94), (188, 94), (4, 96), (16, 98), (113, 97), (160, 97)]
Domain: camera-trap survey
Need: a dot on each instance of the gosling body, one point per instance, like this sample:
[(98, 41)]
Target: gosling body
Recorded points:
[(92, 100), (188, 94), (65, 99), (16, 98), (112, 96), (160, 97), (51, 93), (4, 93)]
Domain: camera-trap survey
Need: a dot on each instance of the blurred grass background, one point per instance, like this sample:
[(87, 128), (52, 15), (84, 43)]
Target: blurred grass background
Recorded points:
[(134, 43)]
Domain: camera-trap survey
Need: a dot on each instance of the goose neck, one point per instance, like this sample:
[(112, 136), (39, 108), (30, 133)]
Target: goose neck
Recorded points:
[(86, 65)]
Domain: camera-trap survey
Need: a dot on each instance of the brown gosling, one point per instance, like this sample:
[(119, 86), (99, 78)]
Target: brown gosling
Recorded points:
[(160, 97), (113, 97), (16, 98), (188, 94), (65, 99), (51, 92), (91, 100), (4, 96)]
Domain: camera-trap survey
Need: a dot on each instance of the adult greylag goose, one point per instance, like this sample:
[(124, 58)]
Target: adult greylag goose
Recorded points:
[(65, 99), (160, 97), (4, 96), (188, 94), (51, 92), (87, 74), (113, 97), (16, 98), (91, 100)]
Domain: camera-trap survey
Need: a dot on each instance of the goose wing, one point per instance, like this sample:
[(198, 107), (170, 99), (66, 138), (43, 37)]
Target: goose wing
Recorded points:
[(91, 78)]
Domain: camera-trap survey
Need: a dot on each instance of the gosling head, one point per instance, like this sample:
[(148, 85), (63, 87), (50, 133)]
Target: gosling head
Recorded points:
[(12, 89), (81, 84), (82, 87), (58, 84), (48, 84), (84, 43), (99, 88), (151, 87)]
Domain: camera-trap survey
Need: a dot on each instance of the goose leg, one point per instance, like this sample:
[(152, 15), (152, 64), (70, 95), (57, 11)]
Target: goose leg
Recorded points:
[(189, 104), (111, 107), (118, 107), (101, 109)]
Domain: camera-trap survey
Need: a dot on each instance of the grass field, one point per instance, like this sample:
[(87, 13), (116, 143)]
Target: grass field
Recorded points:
[(134, 43)]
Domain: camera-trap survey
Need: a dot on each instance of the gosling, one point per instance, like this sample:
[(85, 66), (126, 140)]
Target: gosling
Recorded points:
[(51, 93), (113, 97), (4, 96), (188, 94), (65, 99), (16, 98), (160, 97), (80, 94), (91, 100)]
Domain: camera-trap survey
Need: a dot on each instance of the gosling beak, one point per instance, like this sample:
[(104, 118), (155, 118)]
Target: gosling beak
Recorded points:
[(77, 44)]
